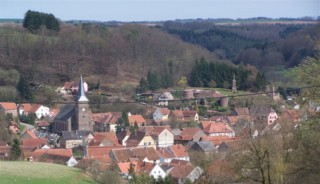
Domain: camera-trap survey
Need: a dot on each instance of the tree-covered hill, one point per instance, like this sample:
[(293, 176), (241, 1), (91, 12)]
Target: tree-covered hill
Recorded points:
[(117, 53)]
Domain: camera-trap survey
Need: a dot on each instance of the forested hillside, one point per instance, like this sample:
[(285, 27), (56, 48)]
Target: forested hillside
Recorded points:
[(117, 53), (261, 45)]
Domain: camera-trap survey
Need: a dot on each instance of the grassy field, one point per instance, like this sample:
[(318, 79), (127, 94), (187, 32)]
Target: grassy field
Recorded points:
[(40, 173)]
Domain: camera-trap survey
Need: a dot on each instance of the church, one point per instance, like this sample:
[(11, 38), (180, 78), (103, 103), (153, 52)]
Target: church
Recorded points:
[(75, 116)]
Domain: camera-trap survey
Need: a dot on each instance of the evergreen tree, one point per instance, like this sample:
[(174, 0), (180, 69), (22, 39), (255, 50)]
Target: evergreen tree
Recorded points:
[(153, 81), (24, 89), (15, 150), (125, 119), (143, 85), (261, 81)]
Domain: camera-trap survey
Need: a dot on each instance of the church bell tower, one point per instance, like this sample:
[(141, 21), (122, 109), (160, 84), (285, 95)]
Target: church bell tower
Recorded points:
[(83, 112)]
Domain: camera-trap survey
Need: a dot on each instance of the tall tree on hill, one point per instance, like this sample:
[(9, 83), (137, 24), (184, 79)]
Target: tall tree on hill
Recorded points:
[(153, 81), (24, 89), (33, 21), (143, 85)]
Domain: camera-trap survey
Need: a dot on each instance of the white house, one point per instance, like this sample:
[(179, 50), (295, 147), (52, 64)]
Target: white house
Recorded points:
[(162, 136), (39, 110), (163, 98), (157, 172), (161, 114)]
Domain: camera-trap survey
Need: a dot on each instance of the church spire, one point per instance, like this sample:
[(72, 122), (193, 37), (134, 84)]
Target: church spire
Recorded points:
[(81, 96)]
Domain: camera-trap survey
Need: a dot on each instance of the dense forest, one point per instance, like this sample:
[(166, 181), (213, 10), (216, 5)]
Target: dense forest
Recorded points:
[(261, 45)]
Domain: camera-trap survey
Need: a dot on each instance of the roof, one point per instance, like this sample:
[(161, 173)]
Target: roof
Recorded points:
[(34, 107), (34, 142), (181, 171), (242, 111), (121, 135), (29, 133), (179, 150), (135, 138), (99, 151), (65, 112), (136, 118), (166, 95), (69, 85), (102, 117), (206, 146), (125, 166), (58, 152), (81, 96), (74, 135), (179, 162), (125, 154), (217, 140), (42, 123), (189, 113), (26, 107), (165, 153), (261, 111), (215, 127), (157, 130), (177, 113), (189, 133), (164, 111), (99, 138), (8, 105)]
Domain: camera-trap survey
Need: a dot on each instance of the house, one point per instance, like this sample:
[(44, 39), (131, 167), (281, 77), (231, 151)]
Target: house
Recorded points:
[(165, 155), (161, 114), (241, 111), (140, 139), (24, 109), (176, 115), (162, 99), (264, 114), (191, 116), (100, 153), (205, 147), (212, 128), (42, 125), (39, 110), (182, 173), (34, 143), (136, 119), (72, 139), (159, 171), (179, 152), (162, 136), (105, 122), (123, 137), (72, 87), (147, 154), (37, 154), (9, 108), (189, 134), (104, 139)]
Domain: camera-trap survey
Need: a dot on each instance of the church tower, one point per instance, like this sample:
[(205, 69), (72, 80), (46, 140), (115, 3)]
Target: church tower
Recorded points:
[(82, 111), (234, 84)]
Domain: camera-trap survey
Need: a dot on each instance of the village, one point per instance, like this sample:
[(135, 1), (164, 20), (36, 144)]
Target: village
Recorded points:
[(161, 145)]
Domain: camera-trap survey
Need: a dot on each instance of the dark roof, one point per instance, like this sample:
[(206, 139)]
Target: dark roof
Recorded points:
[(206, 146), (65, 112), (261, 111), (74, 135), (135, 138)]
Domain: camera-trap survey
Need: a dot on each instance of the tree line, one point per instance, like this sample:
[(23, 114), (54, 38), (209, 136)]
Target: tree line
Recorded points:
[(33, 21)]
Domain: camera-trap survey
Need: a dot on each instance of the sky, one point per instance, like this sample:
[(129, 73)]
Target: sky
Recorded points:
[(159, 10)]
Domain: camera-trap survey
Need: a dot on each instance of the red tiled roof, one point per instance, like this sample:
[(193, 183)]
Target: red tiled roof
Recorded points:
[(177, 114), (58, 152), (34, 107), (189, 113), (125, 154), (215, 127), (179, 150), (136, 118), (100, 137), (165, 153), (42, 124), (179, 162), (34, 142), (181, 171), (30, 133), (99, 151), (8, 105), (26, 107), (125, 166), (164, 111), (189, 133)]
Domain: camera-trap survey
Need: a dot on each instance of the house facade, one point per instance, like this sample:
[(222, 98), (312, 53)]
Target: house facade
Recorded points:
[(8, 108), (161, 114), (162, 136)]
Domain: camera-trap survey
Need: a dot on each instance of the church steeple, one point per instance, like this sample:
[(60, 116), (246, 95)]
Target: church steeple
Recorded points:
[(81, 96)]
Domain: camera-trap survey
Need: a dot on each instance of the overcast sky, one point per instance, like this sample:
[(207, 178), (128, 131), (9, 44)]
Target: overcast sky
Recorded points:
[(150, 10)]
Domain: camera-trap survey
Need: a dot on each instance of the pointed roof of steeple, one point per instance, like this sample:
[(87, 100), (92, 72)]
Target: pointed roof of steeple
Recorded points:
[(81, 96)]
